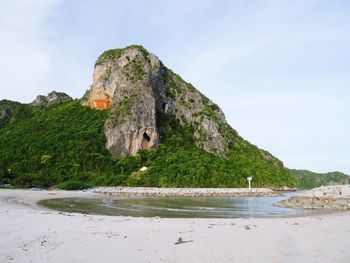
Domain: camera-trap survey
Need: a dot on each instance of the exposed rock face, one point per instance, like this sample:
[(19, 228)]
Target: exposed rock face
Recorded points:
[(125, 84), (7, 110), (5, 113), (326, 197), (52, 98), (136, 86)]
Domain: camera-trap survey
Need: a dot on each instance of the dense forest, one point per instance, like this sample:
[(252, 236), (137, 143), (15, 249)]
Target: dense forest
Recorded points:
[(64, 145), (307, 179)]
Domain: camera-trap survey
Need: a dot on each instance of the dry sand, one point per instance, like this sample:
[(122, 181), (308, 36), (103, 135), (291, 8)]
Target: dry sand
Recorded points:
[(30, 233)]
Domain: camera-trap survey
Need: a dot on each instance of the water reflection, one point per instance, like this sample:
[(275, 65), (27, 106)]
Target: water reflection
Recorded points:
[(232, 207)]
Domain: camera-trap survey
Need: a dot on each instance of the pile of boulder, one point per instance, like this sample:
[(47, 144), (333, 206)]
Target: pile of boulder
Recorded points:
[(182, 192), (324, 197)]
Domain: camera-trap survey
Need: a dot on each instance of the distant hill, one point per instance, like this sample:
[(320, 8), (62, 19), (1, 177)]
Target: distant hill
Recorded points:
[(307, 179)]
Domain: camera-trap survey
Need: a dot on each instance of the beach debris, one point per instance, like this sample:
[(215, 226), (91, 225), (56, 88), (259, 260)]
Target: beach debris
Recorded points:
[(109, 234), (62, 213), (42, 243), (181, 241), (10, 258), (247, 227)]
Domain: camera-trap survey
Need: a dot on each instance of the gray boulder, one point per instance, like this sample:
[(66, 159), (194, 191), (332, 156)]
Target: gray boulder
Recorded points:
[(52, 98)]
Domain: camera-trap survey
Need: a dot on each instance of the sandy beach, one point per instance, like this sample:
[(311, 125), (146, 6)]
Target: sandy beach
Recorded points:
[(30, 233)]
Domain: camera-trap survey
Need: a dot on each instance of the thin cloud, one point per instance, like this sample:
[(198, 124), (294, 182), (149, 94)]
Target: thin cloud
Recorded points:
[(25, 57)]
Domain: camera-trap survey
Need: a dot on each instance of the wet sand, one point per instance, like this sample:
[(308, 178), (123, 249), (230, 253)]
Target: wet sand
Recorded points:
[(30, 233)]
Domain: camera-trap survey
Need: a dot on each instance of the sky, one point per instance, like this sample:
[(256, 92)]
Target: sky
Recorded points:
[(280, 70)]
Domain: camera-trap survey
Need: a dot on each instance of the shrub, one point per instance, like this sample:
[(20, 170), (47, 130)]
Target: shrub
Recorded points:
[(74, 185)]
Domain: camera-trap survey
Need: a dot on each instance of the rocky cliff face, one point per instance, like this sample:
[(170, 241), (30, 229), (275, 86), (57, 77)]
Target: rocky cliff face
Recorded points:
[(7, 110), (52, 98), (137, 87), (124, 80)]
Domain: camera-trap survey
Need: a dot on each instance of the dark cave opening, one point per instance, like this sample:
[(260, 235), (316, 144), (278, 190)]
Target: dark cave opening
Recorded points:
[(163, 108), (145, 141)]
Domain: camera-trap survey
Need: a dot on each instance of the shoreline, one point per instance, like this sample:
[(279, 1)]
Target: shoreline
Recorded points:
[(37, 196), (182, 192), (31, 233)]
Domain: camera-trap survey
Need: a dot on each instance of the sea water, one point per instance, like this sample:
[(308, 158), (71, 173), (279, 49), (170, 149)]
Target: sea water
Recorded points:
[(176, 207)]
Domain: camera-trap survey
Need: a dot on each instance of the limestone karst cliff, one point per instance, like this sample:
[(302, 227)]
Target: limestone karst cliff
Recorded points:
[(137, 87)]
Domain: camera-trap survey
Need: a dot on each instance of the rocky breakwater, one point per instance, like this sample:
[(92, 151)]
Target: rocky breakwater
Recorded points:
[(325, 197), (182, 192)]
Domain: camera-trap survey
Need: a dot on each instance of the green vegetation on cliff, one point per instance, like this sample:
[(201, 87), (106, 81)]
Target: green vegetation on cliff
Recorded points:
[(10, 111), (64, 145), (308, 180), (49, 145), (112, 54), (179, 163)]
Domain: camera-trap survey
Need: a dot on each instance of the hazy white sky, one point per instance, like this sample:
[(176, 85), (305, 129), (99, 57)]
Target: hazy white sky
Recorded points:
[(280, 70)]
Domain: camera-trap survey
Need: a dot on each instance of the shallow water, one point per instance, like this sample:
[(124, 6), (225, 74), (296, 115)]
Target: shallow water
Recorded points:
[(177, 207)]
